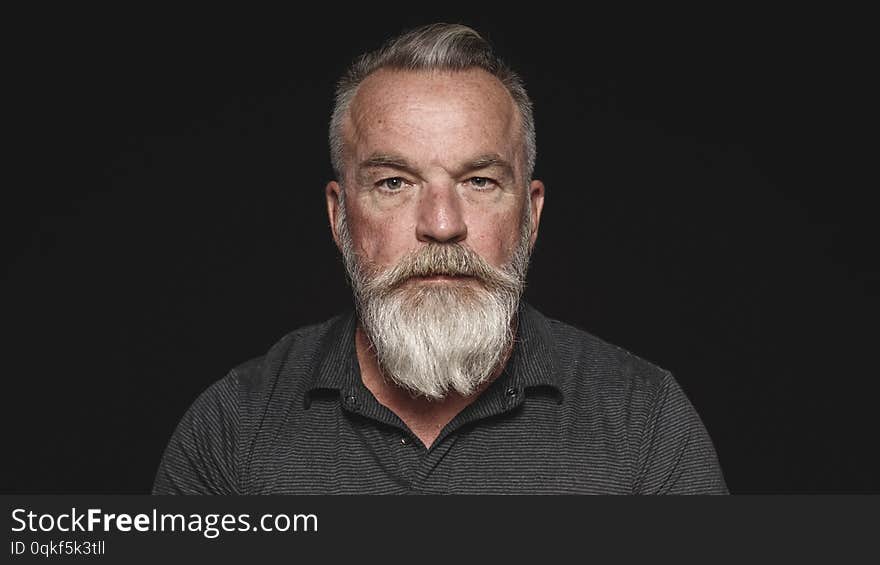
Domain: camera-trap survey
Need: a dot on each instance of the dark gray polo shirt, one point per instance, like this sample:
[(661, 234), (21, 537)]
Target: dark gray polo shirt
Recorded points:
[(570, 414)]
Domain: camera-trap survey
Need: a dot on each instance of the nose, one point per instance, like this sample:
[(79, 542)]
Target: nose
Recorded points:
[(440, 215)]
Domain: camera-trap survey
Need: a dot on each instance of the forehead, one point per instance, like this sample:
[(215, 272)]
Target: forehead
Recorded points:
[(433, 114)]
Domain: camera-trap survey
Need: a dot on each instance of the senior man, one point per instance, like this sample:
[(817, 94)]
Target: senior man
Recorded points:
[(441, 380)]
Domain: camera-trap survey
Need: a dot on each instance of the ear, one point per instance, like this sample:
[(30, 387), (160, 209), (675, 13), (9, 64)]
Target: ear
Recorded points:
[(536, 196), (332, 191)]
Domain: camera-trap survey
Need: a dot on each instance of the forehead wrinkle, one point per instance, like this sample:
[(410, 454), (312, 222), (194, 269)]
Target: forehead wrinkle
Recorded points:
[(370, 112)]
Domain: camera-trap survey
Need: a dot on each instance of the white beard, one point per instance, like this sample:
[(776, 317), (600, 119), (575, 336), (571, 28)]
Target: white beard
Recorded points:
[(431, 338)]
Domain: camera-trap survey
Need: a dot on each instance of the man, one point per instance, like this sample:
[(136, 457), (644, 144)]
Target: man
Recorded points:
[(442, 381)]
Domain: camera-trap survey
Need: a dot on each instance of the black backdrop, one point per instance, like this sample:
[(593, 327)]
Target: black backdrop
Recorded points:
[(709, 207)]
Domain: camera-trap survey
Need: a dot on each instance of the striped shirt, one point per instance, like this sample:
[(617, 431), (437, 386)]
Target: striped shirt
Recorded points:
[(570, 414)]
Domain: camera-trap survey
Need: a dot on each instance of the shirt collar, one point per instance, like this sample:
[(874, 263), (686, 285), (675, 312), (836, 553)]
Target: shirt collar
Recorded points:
[(337, 363), (532, 363)]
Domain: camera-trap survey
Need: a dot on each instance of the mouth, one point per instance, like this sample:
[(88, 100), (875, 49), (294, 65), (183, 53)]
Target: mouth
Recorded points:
[(442, 279)]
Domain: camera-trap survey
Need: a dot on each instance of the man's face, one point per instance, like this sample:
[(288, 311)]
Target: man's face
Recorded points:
[(434, 157), (436, 225)]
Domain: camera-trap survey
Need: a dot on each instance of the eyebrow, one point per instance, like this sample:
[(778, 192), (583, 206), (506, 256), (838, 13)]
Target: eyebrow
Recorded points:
[(488, 160), (379, 160)]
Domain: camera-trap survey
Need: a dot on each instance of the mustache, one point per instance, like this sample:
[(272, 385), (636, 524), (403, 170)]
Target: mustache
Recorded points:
[(443, 259)]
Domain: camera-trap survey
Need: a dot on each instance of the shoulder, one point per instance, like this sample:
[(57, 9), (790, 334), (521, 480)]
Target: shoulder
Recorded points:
[(666, 442), (205, 453), (296, 352), (298, 349), (605, 384), (582, 359)]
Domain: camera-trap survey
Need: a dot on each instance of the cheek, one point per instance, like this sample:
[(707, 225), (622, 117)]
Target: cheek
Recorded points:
[(378, 239), (495, 235)]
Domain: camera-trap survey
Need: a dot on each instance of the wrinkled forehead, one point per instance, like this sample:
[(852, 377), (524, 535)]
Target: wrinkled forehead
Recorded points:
[(433, 115)]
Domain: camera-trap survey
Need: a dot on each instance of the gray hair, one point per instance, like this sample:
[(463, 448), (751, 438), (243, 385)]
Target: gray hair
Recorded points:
[(450, 47)]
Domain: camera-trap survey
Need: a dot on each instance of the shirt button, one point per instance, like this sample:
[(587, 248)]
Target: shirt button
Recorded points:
[(403, 441), (511, 391), (351, 399)]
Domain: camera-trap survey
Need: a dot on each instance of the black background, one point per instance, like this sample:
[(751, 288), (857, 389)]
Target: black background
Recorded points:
[(710, 207)]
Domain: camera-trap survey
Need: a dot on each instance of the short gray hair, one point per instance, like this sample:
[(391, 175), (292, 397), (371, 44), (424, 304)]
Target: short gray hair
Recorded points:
[(450, 47)]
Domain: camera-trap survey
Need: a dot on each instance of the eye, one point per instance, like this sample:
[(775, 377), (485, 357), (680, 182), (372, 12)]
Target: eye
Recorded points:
[(481, 183), (393, 184)]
